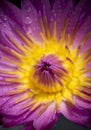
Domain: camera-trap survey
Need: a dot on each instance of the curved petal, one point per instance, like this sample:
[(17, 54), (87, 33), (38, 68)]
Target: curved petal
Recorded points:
[(82, 103), (61, 10), (45, 118), (8, 31), (75, 114), (79, 14), (29, 126), (12, 108), (12, 11), (81, 20), (31, 21), (26, 115), (43, 7)]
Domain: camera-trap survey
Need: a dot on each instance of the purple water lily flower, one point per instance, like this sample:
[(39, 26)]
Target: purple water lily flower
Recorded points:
[(45, 62)]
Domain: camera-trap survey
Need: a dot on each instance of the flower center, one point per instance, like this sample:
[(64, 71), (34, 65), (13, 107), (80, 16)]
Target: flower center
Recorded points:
[(49, 70), (46, 66)]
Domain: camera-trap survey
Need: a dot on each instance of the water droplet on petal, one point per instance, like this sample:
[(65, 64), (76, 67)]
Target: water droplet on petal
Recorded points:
[(5, 18), (28, 20)]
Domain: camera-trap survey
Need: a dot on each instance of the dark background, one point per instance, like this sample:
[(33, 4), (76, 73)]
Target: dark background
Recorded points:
[(62, 123)]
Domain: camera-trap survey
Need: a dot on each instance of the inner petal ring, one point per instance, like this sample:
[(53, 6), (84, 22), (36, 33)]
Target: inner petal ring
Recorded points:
[(49, 70)]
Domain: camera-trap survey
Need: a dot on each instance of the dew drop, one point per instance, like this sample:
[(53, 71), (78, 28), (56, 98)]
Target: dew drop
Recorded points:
[(28, 20), (5, 18)]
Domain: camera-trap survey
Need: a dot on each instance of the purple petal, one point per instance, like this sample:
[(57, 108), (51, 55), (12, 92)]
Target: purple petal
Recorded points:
[(12, 108), (82, 16), (31, 19), (25, 116), (29, 126), (12, 11), (45, 119), (7, 32), (78, 14), (6, 88), (76, 114), (5, 66), (3, 100), (60, 12), (82, 103), (43, 7)]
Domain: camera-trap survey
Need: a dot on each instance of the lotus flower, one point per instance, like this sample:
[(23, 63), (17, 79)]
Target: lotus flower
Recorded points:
[(45, 62)]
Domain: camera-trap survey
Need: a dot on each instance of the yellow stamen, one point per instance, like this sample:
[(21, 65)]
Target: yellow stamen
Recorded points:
[(54, 31), (87, 53), (24, 38), (86, 38), (44, 108), (42, 27), (85, 70), (71, 37), (46, 27), (21, 48), (22, 99), (10, 60), (63, 36)]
